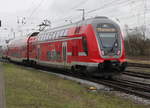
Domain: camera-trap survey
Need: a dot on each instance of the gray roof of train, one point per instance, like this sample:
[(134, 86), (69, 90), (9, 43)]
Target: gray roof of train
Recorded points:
[(92, 21)]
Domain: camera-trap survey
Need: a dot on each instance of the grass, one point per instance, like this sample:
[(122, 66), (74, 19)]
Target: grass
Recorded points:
[(29, 88), (140, 59)]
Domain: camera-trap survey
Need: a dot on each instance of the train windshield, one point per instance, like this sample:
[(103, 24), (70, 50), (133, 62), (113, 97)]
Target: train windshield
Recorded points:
[(107, 39)]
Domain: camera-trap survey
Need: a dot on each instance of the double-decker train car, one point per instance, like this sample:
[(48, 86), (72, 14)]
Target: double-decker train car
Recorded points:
[(94, 46), (19, 50)]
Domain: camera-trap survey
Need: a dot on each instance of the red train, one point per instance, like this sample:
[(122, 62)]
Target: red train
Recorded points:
[(94, 46)]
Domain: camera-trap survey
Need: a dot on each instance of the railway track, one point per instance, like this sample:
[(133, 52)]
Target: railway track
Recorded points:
[(128, 87), (138, 65), (138, 74)]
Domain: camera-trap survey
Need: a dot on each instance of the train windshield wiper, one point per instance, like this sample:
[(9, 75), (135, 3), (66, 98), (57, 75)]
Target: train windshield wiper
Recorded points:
[(116, 41)]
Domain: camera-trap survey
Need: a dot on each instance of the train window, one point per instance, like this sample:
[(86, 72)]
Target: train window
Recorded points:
[(57, 33), (77, 30), (84, 44), (49, 55), (65, 32), (53, 35), (58, 55), (50, 34), (42, 37), (49, 37), (38, 38), (46, 38), (62, 33)]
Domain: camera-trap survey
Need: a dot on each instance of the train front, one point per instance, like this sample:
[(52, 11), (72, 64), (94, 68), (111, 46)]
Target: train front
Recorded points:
[(111, 47)]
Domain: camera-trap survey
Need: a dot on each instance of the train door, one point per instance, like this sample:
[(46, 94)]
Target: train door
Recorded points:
[(64, 53), (38, 53)]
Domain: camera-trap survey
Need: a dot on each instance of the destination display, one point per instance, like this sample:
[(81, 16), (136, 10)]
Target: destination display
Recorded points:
[(106, 29)]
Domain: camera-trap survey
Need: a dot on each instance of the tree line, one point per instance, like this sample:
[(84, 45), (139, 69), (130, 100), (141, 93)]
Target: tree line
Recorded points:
[(137, 42)]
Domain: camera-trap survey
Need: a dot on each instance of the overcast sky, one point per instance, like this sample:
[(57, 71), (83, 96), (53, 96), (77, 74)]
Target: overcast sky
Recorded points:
[(129, 12)]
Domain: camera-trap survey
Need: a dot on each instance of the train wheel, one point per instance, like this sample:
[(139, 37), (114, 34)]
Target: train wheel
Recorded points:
[(73, 70)]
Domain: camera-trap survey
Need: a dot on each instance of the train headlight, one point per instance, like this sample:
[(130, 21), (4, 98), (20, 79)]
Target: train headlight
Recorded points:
[(118, 53), (103, 53)]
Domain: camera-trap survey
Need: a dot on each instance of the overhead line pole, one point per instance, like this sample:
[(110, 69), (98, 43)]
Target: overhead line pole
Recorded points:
[(83, 14), (145, 11)]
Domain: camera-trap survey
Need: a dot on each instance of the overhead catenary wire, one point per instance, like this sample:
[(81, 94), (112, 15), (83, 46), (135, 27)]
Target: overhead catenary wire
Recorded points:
[(74, 16), (102, 8), (36, 8)]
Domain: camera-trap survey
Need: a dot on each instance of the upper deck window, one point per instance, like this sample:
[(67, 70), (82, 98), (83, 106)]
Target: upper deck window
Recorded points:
[(65, 32)]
